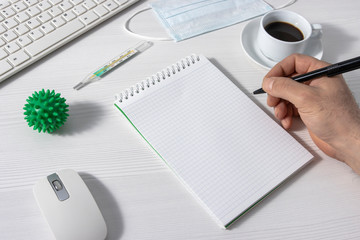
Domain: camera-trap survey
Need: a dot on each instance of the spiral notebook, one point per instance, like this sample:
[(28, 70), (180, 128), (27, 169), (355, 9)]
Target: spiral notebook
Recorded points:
[(225, 150)]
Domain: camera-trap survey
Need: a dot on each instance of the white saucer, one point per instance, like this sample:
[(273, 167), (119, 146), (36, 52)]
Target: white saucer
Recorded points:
[(248, 42)]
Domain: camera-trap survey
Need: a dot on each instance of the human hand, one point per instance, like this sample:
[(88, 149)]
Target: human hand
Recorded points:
[(325, 105)]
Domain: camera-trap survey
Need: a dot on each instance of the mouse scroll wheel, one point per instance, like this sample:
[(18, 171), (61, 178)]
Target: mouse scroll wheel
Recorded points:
[(57, 185)]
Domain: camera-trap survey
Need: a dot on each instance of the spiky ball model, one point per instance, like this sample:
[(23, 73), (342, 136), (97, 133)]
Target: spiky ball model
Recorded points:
[(46, 111)]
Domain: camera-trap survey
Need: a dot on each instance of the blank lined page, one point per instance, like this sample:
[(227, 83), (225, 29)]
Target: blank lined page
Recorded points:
[(222, 146)]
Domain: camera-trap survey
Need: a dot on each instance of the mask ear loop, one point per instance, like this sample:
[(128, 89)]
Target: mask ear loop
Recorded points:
[(127, 28), (290, 2)]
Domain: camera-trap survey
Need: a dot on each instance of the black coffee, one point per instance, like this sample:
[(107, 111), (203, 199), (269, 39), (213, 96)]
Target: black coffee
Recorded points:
[(284, 31)]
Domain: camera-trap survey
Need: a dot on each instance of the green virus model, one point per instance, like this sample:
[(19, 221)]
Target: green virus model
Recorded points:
[(46, 111)]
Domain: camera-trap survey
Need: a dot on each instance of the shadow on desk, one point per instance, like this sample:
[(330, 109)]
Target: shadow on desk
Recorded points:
[(336, 41), (82, 117), (107, 204)]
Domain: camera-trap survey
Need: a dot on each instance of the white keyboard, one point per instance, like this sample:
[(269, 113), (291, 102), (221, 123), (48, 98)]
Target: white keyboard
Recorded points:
[(31, 29)]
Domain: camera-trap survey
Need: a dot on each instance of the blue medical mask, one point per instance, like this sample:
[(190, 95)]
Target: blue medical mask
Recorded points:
[(188, 18)]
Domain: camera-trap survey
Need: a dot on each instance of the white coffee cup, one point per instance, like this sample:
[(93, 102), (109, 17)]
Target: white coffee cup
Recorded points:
[(277, 49)]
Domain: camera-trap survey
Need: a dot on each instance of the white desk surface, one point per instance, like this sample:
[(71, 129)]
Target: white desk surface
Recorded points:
[(138, 195)]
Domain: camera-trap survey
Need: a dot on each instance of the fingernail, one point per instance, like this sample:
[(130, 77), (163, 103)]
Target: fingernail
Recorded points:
[(268, 84)]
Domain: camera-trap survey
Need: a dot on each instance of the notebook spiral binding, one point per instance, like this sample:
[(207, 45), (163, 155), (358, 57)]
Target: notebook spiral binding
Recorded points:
[(158, 77)]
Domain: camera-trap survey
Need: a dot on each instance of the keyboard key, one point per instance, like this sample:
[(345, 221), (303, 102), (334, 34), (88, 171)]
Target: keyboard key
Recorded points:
[(58, 22), (9, 36), (55, 2), (68, 16), (30, 2), (121, 2), (33, 23), (33, 11), (4, 67), (65, 5), (18, 58), (8, 12), (35, 34), (10, 23), (88, 17), (4, 4), (78, 10), (2, 29), (101, 11), (2, 42), (44, 17), (47, 28), (44, 5), (54, 37), (22, 17), (11, 47), (23, 41), (3, 54), (21, 29), (88, 4), (19, 7), (76, 2), (110, 5), (55, 11)]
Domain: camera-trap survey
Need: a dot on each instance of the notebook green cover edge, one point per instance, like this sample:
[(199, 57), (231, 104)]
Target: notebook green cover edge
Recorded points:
[(140, 132), (266, 195), (251, 207)]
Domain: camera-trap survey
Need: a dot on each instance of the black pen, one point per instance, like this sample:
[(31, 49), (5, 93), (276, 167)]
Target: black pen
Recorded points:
[(329, 71)]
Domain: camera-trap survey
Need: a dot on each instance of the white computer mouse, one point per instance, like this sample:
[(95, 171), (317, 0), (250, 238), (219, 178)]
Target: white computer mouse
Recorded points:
[(69, 207)]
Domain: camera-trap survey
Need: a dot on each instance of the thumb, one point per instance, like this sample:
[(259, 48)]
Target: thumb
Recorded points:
[(286, 88)]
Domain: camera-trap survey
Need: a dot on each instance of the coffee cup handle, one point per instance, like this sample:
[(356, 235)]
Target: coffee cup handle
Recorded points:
[(316, 30)]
